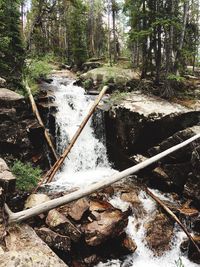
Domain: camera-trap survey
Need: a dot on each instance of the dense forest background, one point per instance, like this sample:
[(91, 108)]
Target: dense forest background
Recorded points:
[(160, 37)]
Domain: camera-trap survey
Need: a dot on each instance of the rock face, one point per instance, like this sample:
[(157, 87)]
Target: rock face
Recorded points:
[(21, 135), (25, 248), (7, 179)]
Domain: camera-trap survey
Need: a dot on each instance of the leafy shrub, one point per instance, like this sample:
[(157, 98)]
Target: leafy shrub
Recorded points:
[(27, 176), (175, 78)]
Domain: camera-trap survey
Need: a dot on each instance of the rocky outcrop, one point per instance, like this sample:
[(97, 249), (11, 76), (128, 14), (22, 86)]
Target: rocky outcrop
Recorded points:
[(25, 248), (21, 135), (7, 179), (139, 122)]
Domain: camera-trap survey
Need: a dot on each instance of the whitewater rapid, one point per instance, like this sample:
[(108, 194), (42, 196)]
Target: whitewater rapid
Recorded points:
[(87, 163)]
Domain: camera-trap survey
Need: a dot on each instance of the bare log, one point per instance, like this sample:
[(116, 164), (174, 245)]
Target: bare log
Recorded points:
[(36, 112), (173, 216), (44, 207), (50, 174)]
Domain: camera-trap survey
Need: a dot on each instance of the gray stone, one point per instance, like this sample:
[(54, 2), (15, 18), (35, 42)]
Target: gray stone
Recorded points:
[(25, 248), (7, 179)]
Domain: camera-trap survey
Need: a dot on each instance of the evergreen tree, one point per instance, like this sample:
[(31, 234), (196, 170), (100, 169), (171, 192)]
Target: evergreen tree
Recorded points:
[(11, 46)]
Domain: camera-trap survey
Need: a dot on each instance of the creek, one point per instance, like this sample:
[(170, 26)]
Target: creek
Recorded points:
[(88, 163)]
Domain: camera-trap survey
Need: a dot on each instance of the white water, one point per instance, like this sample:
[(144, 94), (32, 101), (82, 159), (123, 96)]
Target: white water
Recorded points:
[(87, 163)]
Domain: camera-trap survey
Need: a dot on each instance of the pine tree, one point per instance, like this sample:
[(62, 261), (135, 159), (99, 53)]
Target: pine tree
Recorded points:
[(11, 45)]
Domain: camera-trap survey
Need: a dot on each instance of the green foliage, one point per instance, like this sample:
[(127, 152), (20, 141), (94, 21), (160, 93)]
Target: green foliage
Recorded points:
[(176, 78), (11, 46), (27, 176), (179, 263), (36, 70)]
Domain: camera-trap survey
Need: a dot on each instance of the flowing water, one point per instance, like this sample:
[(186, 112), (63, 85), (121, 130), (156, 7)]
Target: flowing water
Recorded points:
[(88, 163)]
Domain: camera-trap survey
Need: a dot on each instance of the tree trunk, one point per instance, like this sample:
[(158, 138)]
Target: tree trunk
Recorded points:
[(44, 207)]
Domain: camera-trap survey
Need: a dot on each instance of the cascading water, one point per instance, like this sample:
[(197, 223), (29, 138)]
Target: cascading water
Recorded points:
[(88, 162)]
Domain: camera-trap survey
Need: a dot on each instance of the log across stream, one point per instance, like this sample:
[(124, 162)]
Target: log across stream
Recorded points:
[(88, 163)]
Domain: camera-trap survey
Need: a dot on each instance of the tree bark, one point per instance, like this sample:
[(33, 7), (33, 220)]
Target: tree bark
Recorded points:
[(44, 207)]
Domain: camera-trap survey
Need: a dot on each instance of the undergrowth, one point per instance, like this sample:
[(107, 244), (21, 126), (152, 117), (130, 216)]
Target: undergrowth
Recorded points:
[(27, 177)]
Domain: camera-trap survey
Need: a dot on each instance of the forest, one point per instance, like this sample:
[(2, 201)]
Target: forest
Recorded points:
[(100, 133)]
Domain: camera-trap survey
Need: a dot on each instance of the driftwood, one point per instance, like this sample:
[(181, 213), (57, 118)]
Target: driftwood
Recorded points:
[(36, 112), (174, 217), (44, 207), (50, 174)]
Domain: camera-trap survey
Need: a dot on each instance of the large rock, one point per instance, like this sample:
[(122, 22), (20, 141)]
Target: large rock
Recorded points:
[(2, 82), (25, 248), (9, 98), (60, 224), (35, 199), (21, 134), (7, 179), (159, 232), (108, 224), (137, 122), (54, 240)]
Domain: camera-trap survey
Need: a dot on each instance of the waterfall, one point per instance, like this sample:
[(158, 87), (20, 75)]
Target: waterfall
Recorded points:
[(88, 162)]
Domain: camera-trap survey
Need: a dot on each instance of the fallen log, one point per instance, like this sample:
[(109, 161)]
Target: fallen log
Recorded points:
[(173, 216), (44, 207), (50, 174), (36, 112)]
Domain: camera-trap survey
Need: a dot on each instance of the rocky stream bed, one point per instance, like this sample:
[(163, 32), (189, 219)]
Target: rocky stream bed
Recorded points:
[(120, 225)]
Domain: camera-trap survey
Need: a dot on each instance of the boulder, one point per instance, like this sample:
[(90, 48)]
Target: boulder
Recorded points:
[(9, 98), (129, 244), (91, 65), (7, 179), (2, 82), (159, 232), (193, 254), (54, 240), (60, 224), (35, 199), (25, 248), (108, 224), (78, 209)]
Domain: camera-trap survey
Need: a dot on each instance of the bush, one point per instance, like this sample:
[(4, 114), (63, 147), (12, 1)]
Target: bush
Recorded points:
[(27, 176), (37, 69)]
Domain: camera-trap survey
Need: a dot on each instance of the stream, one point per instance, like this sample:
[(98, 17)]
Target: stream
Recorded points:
[(88, 163)]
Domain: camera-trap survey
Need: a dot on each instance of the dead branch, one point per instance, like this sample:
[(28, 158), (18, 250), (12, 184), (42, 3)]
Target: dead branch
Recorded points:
[(44, 207), (173, 216), (36, 112), (50, 174)]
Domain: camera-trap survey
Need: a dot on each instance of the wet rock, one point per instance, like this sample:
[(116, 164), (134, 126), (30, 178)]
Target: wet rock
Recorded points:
[(25, 248), (35, 199), (133, 199), (60, 224), (159, 232), (193, 254), (7, 179), (54, 240), (196, 225), (108, 224), (129, 244), (195, 161), (78, 209)]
